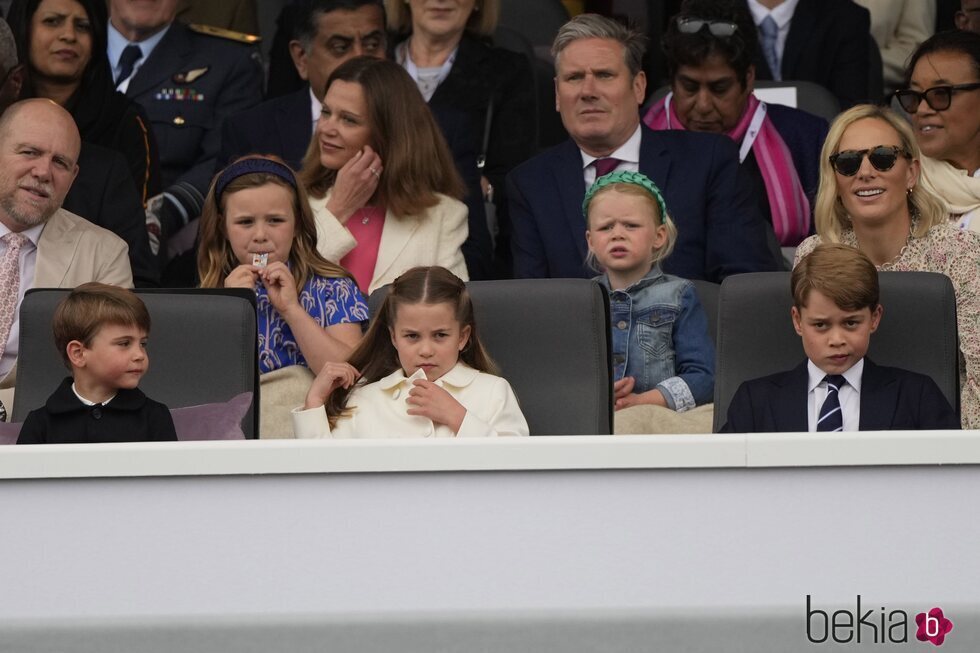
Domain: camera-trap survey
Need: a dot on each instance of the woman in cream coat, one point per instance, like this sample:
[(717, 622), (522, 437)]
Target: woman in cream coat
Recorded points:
[(382, 182)]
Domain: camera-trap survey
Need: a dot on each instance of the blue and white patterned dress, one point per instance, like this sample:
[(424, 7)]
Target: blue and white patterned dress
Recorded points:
[(328, 301)]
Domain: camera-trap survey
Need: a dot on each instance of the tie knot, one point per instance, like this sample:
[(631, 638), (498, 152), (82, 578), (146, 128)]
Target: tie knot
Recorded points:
[(14, 241), (130, 54), (604, 166), (835, 381), (768, 27)]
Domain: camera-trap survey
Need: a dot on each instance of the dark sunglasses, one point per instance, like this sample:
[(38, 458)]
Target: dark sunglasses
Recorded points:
[(882, 157), (938, 97), (720, 28)]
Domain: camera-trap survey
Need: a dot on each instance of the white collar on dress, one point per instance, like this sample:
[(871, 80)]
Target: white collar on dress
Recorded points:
[(459, 377)]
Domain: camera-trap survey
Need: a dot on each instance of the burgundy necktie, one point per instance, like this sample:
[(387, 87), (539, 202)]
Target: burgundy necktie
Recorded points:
[(604, 166)]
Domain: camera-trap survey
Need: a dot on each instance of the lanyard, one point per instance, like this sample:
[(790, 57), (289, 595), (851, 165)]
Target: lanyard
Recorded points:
[(755, 126)]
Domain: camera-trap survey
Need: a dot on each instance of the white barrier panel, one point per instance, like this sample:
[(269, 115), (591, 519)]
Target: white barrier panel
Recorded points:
[(680, 529)]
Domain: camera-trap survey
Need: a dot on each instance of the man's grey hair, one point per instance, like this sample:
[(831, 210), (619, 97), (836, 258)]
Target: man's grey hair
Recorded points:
[(8, 49), (594, 26)]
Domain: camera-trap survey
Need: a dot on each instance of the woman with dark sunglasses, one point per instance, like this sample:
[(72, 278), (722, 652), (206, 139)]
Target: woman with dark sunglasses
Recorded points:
[(942, 98), (871, 197), (710, 47)]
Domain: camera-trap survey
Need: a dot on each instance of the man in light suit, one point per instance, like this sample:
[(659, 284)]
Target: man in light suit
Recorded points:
[(39, 148), (599, 87)]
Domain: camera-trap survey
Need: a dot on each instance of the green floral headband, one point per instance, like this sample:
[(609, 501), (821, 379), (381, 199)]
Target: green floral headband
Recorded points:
[(626, 177)]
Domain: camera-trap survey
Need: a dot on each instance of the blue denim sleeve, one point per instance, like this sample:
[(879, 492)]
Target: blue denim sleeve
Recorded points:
[(694, 354)]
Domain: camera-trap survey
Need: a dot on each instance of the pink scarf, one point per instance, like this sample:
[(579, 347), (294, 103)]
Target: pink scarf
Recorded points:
[(787, 201)]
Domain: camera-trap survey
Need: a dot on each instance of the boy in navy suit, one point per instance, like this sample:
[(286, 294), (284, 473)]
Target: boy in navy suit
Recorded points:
[(835, 311)]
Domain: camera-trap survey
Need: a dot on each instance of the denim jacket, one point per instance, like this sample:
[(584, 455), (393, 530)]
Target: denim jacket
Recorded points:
[(660, 338)]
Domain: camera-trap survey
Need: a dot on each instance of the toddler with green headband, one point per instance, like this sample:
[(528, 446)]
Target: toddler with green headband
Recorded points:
[(662, 352)]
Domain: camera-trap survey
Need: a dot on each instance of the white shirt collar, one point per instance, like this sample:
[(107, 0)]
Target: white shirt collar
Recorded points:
[(782, 14), (628, 152), (33, 234), (117, 43), (316, 107), (852, 376), (88, 402)]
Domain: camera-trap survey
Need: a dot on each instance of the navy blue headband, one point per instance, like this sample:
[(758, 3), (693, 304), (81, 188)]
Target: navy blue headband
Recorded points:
[(249, 166)]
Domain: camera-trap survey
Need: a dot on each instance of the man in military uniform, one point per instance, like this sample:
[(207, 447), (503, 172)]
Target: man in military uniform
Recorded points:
[(188, 79)]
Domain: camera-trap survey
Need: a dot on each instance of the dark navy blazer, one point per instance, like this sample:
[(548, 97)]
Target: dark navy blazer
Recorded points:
[(720, 230), (281, 126), (891, 399), (829, 42)]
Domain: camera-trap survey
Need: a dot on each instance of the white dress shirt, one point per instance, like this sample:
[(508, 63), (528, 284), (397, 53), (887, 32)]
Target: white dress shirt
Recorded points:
[(849, 396), (316, 107), (382, 412), (782, 15), (27, 263), (628, 154)]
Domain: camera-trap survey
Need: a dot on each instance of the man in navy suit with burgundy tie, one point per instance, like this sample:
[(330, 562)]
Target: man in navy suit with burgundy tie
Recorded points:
[(599, 86), (835, 311)]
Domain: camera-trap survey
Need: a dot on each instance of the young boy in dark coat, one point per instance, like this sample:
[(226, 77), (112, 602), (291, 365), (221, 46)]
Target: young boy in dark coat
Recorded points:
[(835, 311), (101, 332)]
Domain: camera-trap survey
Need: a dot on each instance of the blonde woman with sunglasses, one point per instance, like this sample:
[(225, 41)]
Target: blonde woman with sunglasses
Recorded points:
[(871, 198)]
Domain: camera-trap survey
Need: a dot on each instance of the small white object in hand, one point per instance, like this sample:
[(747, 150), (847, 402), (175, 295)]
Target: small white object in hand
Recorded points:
[(260, 260)]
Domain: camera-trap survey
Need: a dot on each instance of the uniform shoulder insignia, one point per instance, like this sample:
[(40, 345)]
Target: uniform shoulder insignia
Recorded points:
[(222, 33)]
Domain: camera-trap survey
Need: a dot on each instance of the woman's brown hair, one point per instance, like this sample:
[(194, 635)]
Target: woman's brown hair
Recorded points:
[(376, 356), (215, 259), (417, 162)]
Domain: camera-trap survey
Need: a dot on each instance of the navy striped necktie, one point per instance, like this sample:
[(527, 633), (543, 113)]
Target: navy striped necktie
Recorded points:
[(831, 418)]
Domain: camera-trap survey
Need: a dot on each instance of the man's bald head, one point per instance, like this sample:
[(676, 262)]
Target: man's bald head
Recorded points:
[(39, 147)]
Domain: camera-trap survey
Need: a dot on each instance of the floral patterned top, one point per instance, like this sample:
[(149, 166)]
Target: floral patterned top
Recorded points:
[(328, 301), (956, 254)]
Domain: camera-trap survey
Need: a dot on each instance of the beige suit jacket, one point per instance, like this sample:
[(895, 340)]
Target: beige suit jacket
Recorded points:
[(70, 252), (432, 238)]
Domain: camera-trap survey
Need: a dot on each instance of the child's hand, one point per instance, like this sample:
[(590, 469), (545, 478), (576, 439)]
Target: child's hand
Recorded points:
[(355, 185), (331, 377), (281, 286), (429, 400), (654, 397), (243, 276), (623, 388)]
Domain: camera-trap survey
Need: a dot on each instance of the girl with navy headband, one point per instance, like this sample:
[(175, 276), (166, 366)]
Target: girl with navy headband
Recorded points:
[(662, 353), (257, 232)]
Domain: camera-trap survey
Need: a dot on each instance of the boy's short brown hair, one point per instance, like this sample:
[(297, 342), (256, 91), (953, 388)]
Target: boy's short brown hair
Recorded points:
[(842, 273), (91, 306)]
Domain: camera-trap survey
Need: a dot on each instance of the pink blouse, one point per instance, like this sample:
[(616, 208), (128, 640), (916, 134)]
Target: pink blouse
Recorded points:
[(365, 226)]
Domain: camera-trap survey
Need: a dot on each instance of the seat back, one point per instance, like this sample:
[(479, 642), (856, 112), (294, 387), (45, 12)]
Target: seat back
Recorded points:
[(550, 339), (708, 293), (756, 335), (202, 345)]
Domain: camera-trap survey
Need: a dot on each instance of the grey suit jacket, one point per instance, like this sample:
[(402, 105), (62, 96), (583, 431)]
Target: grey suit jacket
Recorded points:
[(70, 252)]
